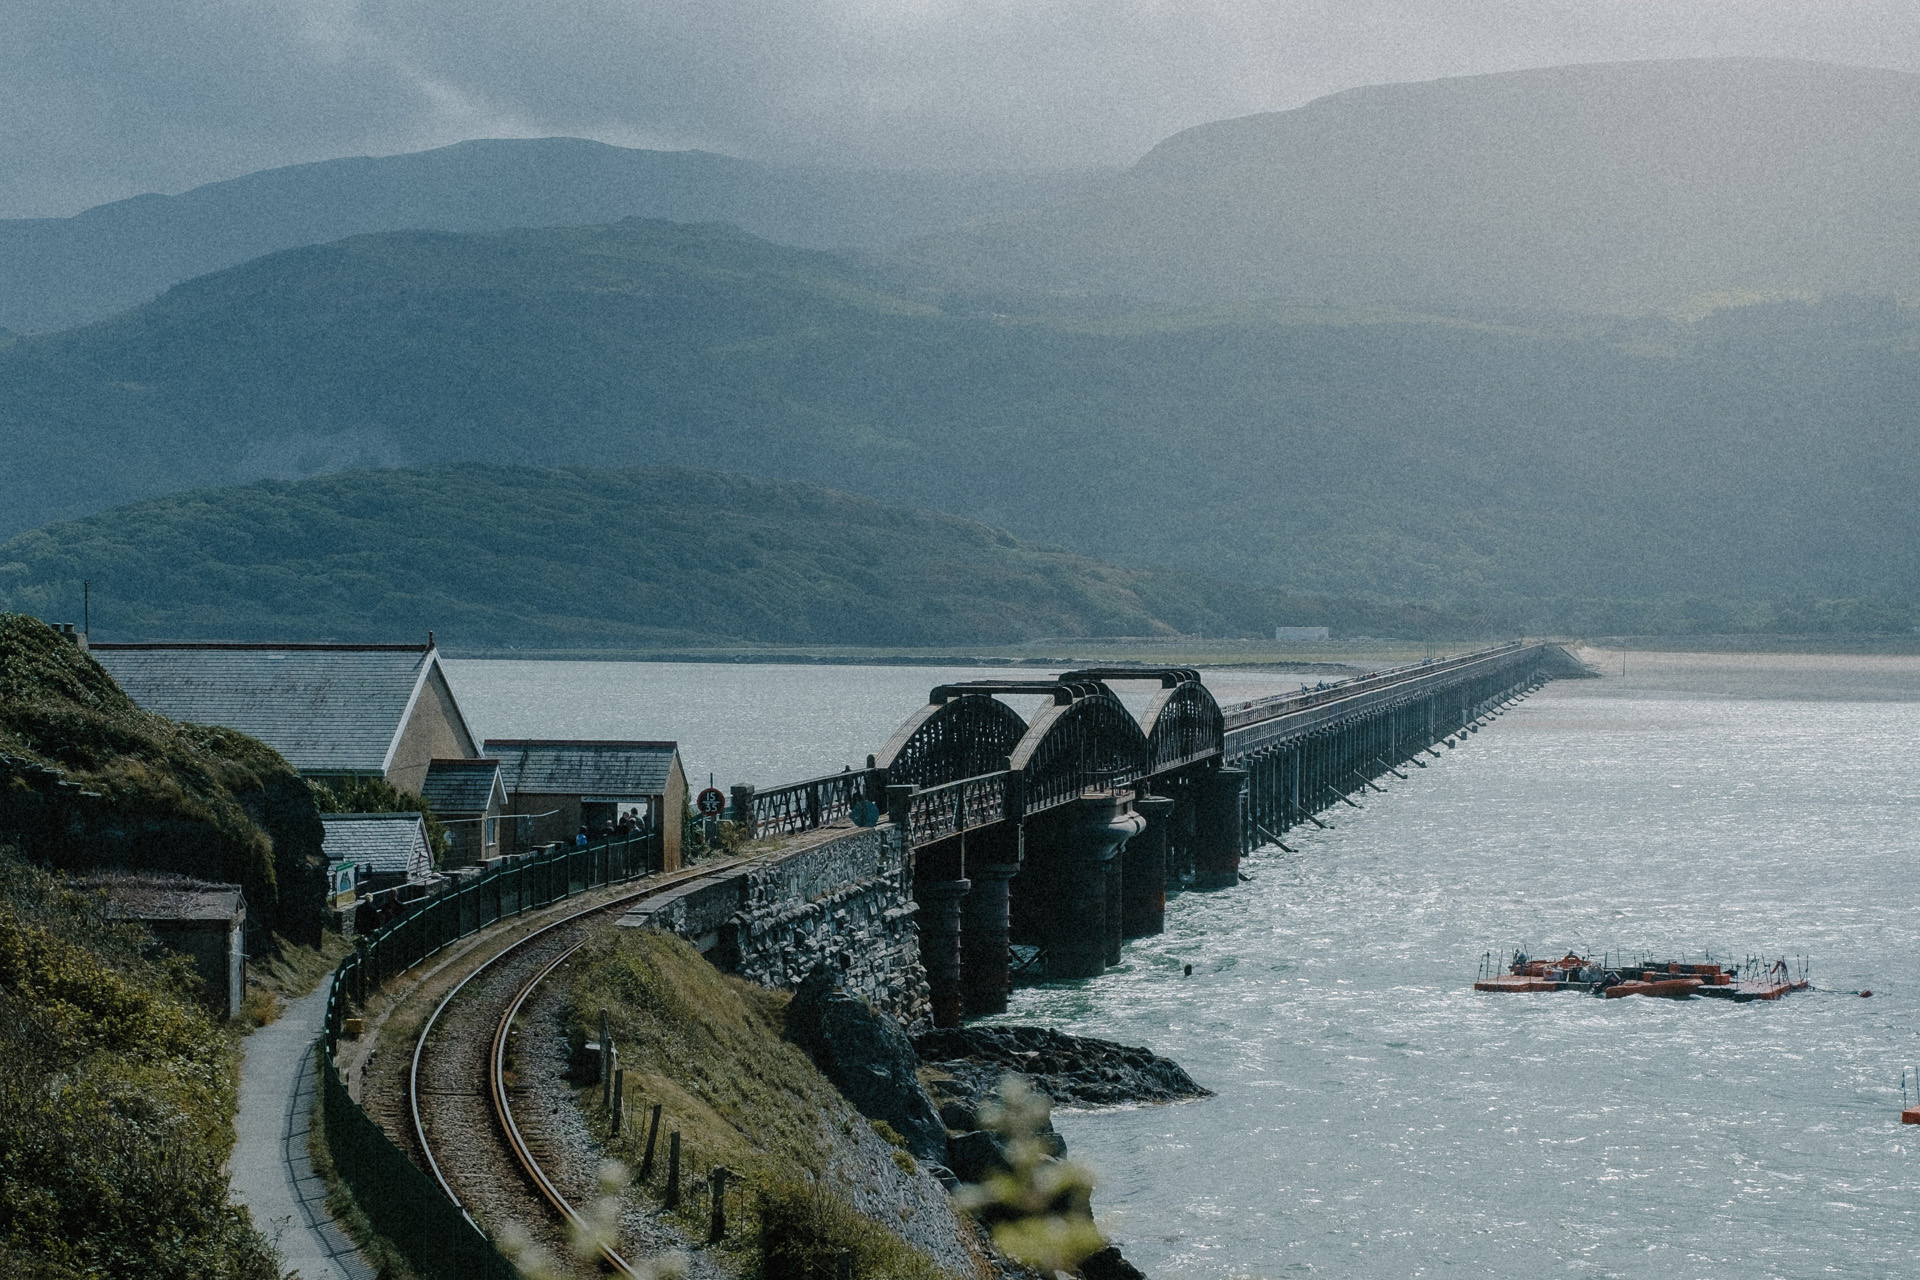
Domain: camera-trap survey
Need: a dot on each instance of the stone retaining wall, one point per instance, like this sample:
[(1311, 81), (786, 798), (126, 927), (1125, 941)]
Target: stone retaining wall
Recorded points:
[(842, 897)]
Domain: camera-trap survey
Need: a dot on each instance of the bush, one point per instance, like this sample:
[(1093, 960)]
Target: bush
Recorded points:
[(116, 1103), (804, 1228), (91, 780), (377, 795)]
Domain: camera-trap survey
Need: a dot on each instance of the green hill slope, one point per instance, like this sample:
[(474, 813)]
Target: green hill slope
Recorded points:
[(56, 272), (651, 556), (1767, 452), (1612, 188)]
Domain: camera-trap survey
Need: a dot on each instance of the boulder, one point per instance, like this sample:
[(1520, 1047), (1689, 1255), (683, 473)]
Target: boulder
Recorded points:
[(976, 1156), (1109, 1265), (1072, 1071), (869, 1059)]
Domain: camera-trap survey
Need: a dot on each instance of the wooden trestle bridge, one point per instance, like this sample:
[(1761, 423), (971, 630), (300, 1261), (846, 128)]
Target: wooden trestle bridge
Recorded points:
[(1064, 832)]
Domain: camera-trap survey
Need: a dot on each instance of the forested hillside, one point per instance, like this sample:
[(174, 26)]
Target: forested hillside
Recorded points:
[(1763, 454), (520, 557)]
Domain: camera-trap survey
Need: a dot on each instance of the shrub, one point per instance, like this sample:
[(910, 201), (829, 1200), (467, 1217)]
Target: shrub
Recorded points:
[(92, 780), (116, 1103), (804, 1228), (377, 795)]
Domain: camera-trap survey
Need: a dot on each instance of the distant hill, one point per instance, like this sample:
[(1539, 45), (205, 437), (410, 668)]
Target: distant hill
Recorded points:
[(1760, 454), (56, 272), (1607, 188), (642, 557)]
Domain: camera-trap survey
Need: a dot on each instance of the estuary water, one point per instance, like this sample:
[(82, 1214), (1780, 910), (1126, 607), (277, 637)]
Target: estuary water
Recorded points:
[(1374, 1117)]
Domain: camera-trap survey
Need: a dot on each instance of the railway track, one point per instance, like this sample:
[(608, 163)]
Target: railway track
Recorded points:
[(487, 1159)]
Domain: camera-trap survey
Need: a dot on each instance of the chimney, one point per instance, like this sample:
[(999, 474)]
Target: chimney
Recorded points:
[(68, 634)]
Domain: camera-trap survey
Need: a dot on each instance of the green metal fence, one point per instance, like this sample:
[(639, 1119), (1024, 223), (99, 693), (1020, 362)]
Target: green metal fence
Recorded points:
[(401, 1200)]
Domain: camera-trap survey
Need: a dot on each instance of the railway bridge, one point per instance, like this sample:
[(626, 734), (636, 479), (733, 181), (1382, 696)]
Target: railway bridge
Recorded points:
[(1062, 833)]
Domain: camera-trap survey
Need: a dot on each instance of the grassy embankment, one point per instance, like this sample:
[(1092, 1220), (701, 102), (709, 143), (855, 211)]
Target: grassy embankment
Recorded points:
[(117, 1089), (116, 1101), (708, 1049), (98, 782)]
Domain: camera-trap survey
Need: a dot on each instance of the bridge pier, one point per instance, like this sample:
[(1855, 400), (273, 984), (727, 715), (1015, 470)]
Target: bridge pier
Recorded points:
[(1218, 834), (1114, 932), (1180, 837), (986, 970), (1063, 894), (939, 921), (1023, 832), (1143, 884)]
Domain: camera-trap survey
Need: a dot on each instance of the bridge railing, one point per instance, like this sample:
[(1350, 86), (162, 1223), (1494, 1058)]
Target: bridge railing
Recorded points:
[(938, 812), (951, 808), (814, 803), (1281, 720), (402, 1202), (1280, 704)]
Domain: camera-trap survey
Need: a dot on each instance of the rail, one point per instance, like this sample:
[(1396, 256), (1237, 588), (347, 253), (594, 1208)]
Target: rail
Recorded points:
[(1280, 704), (403, 1202), (936, 813)]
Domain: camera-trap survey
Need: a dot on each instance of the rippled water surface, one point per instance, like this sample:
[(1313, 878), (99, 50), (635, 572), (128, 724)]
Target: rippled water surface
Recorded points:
[(1374, 1117)]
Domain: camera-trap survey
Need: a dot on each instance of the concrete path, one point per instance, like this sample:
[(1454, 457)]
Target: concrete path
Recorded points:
[(269, 1170)]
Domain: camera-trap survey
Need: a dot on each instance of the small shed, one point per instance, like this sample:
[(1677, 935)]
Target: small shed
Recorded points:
[(559, 786), (388, 848), (468, 798), (204, 921)]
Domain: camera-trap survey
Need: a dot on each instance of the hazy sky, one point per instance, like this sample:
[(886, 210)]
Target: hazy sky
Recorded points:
[(101, 99)]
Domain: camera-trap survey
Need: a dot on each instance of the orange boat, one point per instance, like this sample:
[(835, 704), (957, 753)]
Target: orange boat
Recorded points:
[(1670, 988)]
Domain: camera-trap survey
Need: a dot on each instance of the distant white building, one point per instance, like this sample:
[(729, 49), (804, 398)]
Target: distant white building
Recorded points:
[(1299, 635)]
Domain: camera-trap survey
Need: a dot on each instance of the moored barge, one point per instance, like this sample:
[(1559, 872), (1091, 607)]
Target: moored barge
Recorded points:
[(1672, 980)]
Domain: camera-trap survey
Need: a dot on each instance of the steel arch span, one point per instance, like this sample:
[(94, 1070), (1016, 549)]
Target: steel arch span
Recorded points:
[(962, 735)]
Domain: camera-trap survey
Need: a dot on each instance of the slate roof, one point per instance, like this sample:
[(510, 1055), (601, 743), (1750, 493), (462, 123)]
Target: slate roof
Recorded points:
[(583, 768), (161, 897), (461, 786), (381, 843), (327, 708)]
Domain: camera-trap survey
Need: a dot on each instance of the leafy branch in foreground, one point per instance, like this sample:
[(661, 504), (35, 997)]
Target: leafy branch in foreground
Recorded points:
[(1040, 1210)]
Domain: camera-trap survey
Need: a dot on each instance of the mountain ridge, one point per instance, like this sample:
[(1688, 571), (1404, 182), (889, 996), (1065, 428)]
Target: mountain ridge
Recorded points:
[(59, 272), (1615, 188)]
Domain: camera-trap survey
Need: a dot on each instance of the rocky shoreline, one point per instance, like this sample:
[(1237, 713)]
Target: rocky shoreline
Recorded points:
[(1076, 1072), (932, 1089)]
